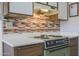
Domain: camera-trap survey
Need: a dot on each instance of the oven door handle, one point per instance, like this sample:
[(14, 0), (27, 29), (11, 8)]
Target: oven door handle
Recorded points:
[(58, 48)]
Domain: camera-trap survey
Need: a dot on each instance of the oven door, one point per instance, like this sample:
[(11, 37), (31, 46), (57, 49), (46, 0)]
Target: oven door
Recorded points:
[(57, 51)]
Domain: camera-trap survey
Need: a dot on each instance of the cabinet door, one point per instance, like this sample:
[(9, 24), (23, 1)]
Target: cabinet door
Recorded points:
[(73, 47), (21, 7), (5, 8), (31, 50), (62, 9), (52, 4), (74, 51)]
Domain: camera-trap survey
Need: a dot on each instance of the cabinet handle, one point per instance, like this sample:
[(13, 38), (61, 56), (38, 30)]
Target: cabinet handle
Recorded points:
[(18, 48), (25, 47)]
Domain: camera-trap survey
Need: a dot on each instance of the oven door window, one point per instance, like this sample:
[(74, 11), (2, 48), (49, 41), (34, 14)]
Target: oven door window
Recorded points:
[(58, 52)]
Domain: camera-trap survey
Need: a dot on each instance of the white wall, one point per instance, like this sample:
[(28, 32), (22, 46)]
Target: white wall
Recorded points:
[(1, 17), (72, 25)]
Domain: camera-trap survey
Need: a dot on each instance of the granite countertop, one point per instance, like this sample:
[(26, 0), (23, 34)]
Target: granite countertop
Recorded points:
[(20, 39)]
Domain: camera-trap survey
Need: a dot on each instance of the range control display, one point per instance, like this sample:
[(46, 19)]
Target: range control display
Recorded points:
[(53, 43)]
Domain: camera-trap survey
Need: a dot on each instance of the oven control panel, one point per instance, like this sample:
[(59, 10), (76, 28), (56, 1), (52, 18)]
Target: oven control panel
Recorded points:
[(53, 43)]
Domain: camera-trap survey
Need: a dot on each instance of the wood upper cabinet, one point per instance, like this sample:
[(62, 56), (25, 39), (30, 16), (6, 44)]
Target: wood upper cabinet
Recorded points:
[(52, 4), (21, 7), (63, 10)]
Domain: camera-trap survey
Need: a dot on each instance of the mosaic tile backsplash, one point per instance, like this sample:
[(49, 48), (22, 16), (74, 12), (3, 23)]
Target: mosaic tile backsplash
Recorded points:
[(31, 24)]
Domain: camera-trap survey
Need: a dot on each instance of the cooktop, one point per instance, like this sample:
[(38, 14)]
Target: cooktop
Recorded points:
[(50, 37)]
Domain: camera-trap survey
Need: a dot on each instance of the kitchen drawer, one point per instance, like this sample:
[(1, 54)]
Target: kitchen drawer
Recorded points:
[(31, 50)]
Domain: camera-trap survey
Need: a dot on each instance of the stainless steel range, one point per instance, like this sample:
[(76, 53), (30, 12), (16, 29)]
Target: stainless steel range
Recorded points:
[(55, 45)]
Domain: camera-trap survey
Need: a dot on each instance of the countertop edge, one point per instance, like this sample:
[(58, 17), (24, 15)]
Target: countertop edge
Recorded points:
[(21, 45)]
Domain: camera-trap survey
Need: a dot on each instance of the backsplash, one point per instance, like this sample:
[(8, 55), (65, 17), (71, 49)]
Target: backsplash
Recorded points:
[(31, 24)]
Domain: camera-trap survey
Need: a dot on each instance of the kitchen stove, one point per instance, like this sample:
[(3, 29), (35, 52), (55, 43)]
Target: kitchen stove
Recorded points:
[(55, 45)]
